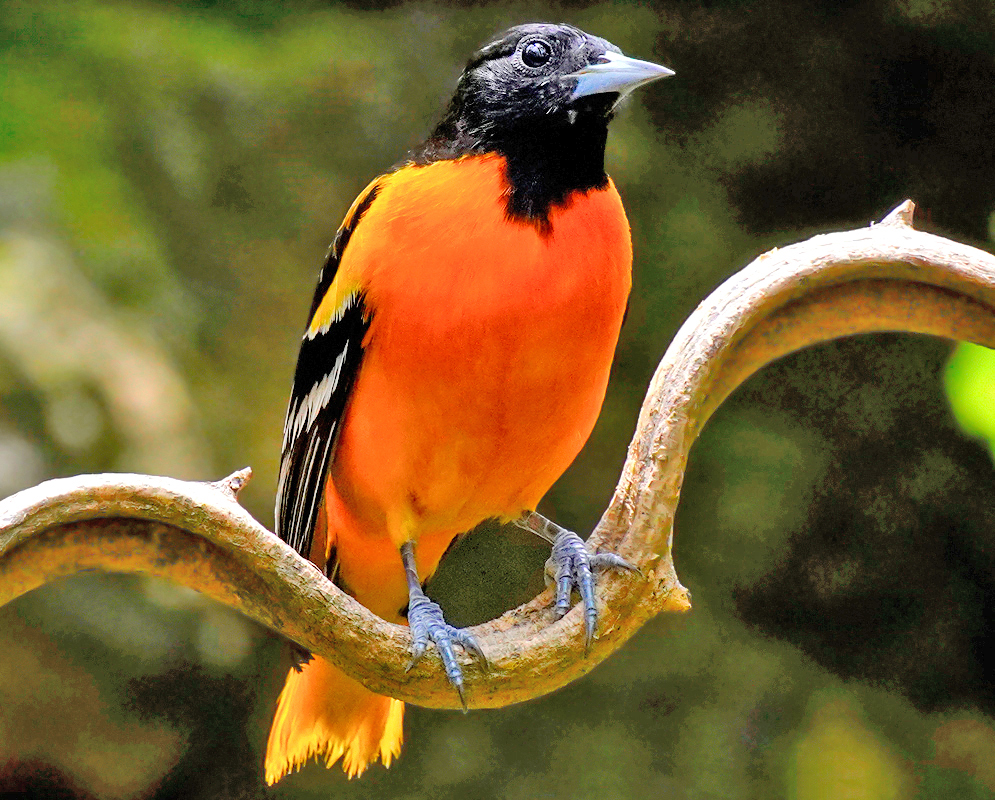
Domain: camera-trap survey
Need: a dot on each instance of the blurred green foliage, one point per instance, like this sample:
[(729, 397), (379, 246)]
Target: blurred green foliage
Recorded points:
[(170, 176), (970, 382)]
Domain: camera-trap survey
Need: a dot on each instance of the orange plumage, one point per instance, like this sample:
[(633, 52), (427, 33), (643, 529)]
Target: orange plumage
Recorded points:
[(461, 416), (456, 357)]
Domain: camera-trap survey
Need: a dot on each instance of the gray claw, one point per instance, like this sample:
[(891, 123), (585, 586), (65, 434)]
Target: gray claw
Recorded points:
[(428, 625), (573, 566), (613, 561), (469, 645)]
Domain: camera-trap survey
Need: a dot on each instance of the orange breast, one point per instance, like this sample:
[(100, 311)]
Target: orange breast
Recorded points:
[(487, 357)]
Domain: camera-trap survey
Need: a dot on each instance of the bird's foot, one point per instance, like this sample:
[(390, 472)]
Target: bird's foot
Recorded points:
[(572, 566), (428, 625)]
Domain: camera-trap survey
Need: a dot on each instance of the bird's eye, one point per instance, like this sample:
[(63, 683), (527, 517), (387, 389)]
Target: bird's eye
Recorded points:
[(536, 53)]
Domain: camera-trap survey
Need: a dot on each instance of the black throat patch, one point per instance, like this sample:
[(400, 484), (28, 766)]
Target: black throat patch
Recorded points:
[(548, 157)]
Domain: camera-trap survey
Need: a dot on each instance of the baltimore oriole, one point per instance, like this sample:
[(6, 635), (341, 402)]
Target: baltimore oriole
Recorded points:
[(455, 360)]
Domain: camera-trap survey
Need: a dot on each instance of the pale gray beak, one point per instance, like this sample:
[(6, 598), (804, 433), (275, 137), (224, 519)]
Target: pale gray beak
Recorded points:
[(615, 73)]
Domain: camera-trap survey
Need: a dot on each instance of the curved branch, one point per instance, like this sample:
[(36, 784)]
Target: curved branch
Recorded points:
[(886, 277)]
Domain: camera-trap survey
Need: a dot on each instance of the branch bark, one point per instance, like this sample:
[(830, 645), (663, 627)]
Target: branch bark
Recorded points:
[(886, 277)]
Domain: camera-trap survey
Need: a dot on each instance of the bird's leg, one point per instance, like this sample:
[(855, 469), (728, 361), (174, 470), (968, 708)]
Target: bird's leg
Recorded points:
[(427, 624), (572, 566)]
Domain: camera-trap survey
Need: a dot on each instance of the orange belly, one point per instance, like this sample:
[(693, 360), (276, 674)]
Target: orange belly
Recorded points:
[(475, 411)]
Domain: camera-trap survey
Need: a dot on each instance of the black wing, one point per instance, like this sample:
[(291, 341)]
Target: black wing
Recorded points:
[(329, 359)]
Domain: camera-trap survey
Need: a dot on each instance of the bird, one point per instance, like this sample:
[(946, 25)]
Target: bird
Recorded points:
[(455, 359)]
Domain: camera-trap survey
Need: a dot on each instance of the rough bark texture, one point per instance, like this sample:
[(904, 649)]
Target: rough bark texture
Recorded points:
[(888, 277)]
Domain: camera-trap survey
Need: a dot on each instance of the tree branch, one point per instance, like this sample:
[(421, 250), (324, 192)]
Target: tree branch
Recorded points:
[(886, 277)]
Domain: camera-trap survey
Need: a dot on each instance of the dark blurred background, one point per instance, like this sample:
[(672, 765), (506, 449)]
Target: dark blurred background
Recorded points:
[(170, 176)]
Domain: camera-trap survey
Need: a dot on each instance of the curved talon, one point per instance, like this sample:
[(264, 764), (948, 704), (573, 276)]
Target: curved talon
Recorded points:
[(469, 645), (614, 561), (573, 566), (428, 625)]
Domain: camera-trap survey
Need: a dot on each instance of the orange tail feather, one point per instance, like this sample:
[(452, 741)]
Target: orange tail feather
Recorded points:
[(323, 713)]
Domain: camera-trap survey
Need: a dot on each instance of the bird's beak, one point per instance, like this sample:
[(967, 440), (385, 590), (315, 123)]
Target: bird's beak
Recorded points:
[(615, 73)]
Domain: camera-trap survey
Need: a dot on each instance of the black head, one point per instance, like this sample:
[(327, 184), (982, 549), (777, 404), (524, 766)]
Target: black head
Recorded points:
[(542, 95)]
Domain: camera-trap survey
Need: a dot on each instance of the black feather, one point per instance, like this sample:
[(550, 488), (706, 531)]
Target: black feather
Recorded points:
[(326, 371), (553, 145)]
